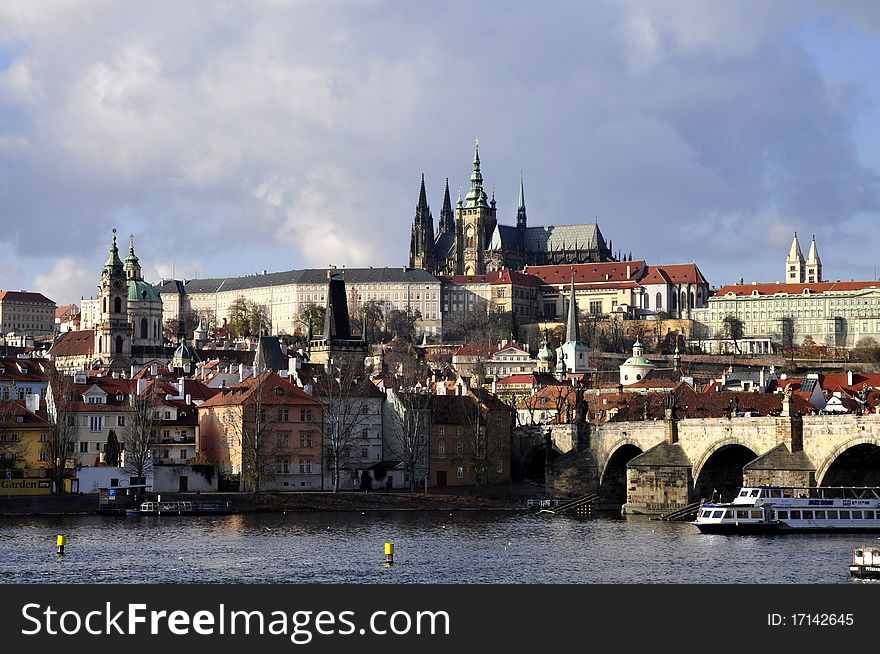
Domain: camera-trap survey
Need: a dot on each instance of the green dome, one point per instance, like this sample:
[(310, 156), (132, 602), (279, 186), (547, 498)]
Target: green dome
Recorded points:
[(638, 361), (546, 354), (142, 291)]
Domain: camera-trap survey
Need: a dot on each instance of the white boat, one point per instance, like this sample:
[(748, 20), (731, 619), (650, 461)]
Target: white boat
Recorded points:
[(785, 509), (865, 563)]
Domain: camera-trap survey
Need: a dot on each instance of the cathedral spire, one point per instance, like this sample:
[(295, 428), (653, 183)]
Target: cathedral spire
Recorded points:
[(521, 205), (795, 272), (447, 219), (421, 248), (423, 197)]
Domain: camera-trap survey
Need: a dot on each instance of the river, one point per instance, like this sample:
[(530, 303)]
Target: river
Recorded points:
[(431, 547)]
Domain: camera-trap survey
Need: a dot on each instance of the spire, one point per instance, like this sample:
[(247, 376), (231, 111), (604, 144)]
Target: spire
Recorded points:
[(476, 197), (813, 257), (132, 264), (447, 220), (572, 332), (459, 204), (795, 252), (521, 205), (113, 265), (423, 197)]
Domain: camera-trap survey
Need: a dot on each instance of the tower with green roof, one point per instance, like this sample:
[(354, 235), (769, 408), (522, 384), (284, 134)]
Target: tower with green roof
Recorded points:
[(475, 221), (113, 332)]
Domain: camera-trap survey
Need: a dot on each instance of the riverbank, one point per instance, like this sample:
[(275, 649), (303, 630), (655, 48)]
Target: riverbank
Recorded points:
[(281, 502)]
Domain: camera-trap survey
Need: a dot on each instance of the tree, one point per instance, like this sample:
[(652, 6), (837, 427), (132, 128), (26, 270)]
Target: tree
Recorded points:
[(479, 415), (349, 398), (409, 418), (367, 319), (248, 318), (732, 328), (401, 323), (867, 349), (313, 315), (139, 433), (61, 443)]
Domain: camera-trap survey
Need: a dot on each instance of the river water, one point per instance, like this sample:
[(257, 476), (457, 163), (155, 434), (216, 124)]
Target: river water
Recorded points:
[(431, 547)]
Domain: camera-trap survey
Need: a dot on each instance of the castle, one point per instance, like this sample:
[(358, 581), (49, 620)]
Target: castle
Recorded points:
[(470, 241)]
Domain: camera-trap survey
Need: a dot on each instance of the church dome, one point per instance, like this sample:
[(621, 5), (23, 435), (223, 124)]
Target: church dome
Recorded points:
[(141, 291), (184, 353), (546, 354)]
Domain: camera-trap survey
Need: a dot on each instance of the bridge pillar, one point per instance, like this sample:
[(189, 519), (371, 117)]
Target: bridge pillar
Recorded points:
[(659, 480)]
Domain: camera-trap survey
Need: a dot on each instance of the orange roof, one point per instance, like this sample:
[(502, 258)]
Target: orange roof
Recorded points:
[(676, 273), (589, 273), (77, 343), (794, 289), (268, 382)]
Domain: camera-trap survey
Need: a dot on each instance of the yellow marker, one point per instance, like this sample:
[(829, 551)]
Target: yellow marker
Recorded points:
[(389, 554), (60, 542)]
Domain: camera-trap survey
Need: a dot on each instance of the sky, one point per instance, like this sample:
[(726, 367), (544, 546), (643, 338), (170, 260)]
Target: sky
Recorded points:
[(235, 137)]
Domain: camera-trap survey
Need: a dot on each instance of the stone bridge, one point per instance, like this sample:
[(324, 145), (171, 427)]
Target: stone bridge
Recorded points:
[(654, 466)]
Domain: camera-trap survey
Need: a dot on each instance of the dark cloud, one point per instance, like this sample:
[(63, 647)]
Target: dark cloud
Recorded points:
[(233, 137)]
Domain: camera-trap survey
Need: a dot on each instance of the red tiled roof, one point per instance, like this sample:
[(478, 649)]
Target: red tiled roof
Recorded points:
[(14, 408), (860, 380), (71, 344), (268, 381), (14, 369), (676, 273), (60, 311), (24, 296), (588, 273), (794, 289)]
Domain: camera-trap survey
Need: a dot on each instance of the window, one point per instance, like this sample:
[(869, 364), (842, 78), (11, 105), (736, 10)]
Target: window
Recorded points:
[(284, 466), (84, 448), (43, 438), (305, 415), (365, 452), (283, 415), (844, 515), (167, 415), (820, 515), (459, 447), (305, 466), (96, 423), (459, 472), (283, 441), (43, 456), (441, 447), (808, 515), (120, 421), (795, 515), (856, 515), (783, 515), (305, 440), (869, 515), (832, 515), (500, 468), (184, 455)]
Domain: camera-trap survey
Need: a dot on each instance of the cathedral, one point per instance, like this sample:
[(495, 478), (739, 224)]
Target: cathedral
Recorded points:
[(469, 241)]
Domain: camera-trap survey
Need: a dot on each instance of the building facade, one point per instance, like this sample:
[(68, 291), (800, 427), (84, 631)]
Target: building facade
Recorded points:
[(287, 295), (24, 312)]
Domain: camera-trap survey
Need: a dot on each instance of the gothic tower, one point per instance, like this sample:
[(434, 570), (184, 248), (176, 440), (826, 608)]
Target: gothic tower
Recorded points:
[(447, 218), (794, 264), (421, 248), (113, 332), (814, 264), (521, 222), (475, 222)]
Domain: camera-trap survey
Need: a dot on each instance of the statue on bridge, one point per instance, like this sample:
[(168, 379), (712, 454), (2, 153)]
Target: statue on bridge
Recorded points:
[(669, 406)]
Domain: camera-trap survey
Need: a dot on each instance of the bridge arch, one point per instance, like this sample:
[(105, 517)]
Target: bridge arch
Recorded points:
[(866, 445), (612, 471), (719, 468)]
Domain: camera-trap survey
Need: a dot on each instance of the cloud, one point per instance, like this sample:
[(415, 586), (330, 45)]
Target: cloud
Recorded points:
[(65, 281), (231, 138)]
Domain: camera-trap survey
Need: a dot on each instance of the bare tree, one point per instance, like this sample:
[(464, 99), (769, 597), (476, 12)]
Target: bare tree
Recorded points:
[(348, 397), (60, 446), (249, 426), (139, 433), (480, 417), (408, 428), (732, 328)]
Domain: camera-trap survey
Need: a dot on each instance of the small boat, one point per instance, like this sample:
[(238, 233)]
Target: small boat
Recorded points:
[(184, 508), (787, 509), (865, 563)]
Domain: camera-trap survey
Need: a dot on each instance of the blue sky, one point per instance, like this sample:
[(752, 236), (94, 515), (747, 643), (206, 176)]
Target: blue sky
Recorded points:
[(234, 137)]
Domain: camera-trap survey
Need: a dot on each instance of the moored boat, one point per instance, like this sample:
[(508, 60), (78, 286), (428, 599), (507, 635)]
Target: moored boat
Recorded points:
[(183, 508), (865, 563), (786, 509)]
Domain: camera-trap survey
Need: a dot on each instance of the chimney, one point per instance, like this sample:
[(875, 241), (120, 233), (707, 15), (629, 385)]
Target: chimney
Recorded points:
[(141, 386), (154, 369), (180, 387), (32, 402), (849, 378), (133, 370), (494, 386), (189, 399), (627, 272), (241, 372), (763, 386)]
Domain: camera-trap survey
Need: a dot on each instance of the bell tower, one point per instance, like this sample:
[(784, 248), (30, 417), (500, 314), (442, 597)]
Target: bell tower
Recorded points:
[(113, 331), (475, 221)]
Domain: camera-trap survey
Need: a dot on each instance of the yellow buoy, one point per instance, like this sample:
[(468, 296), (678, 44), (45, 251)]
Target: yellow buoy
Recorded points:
[(389, 554), (60, 542)]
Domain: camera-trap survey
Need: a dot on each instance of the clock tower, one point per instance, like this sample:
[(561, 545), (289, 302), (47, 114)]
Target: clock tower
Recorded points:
[(113, 331)]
